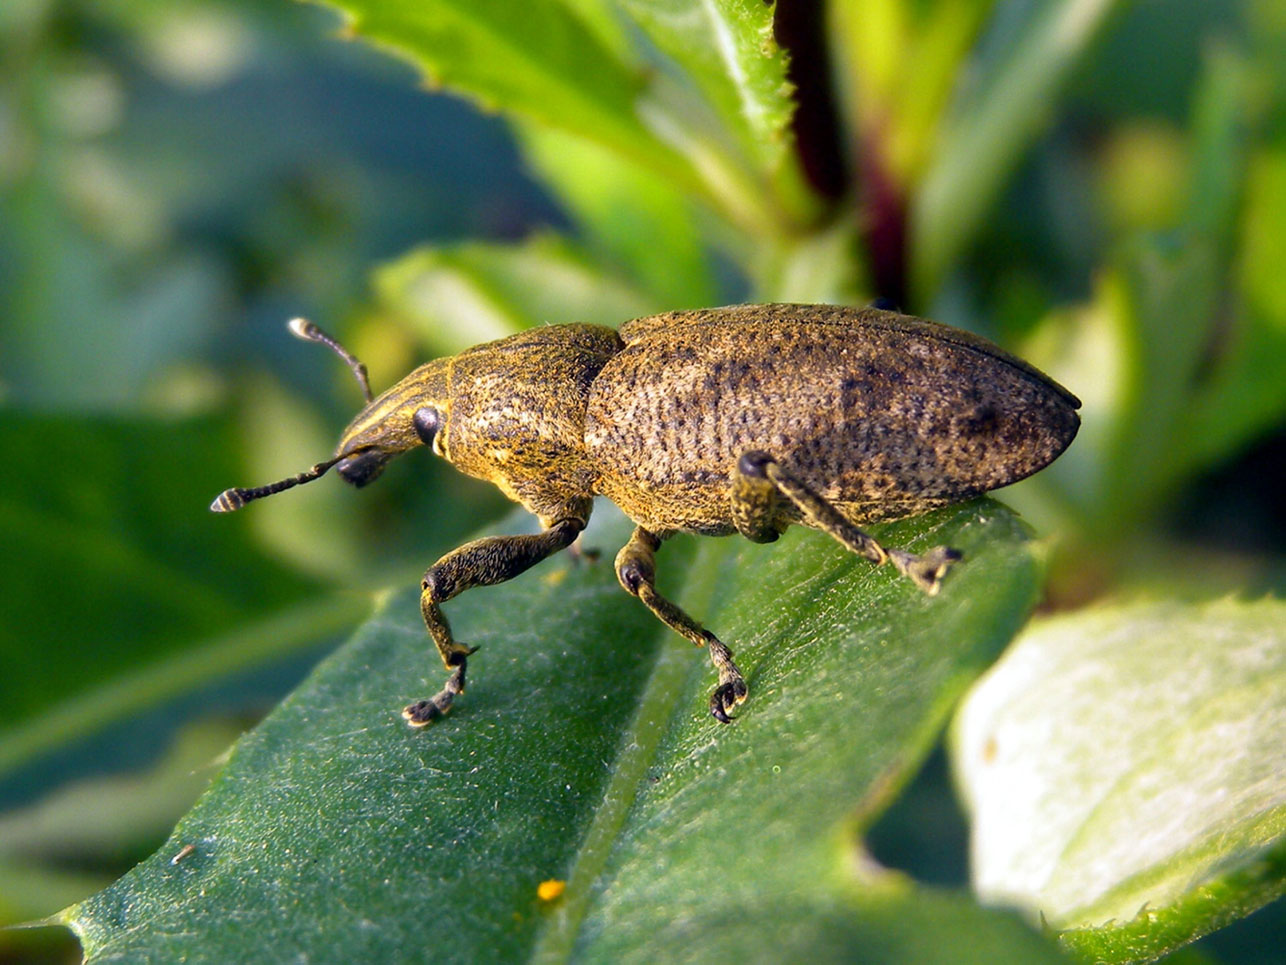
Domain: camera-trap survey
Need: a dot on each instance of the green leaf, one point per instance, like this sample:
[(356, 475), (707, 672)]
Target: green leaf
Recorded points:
[(1246, 394), (133, 591), (1126, 774), (728, 107), (540, 59), (77, 336), (58, 849), (991, 128), (567, 66), (458, 296), (605, 22), (1174, 286), (643, 221), (727, 50), (897, 64), (584, 752), (1166, 391)]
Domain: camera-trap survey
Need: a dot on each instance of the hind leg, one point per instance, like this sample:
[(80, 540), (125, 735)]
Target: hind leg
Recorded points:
[(759, 481)]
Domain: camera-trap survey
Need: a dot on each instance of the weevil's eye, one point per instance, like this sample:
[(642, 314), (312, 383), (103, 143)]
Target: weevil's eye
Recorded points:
[(427, 422), (363, 467)]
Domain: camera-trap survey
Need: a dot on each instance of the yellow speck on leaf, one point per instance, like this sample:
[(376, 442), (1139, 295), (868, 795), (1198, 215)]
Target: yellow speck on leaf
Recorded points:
[(551, 889)]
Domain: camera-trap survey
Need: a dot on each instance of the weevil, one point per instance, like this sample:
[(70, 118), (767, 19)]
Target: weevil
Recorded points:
[(744, 419)]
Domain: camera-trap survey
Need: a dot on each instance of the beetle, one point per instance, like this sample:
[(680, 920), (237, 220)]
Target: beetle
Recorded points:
[(744, 419)]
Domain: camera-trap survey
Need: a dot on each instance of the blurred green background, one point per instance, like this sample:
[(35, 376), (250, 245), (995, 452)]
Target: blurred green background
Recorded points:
[(177, 179)]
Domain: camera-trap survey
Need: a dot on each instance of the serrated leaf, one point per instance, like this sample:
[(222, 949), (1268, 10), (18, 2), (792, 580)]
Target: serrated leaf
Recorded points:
[(727, 51), (583, 752), (1126, 774)]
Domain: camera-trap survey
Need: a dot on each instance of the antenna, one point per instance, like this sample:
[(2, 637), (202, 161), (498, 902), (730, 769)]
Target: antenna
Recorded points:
[(302, 328), (233, 499)]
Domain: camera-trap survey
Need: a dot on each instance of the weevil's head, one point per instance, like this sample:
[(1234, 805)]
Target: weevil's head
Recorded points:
[(411, 413)]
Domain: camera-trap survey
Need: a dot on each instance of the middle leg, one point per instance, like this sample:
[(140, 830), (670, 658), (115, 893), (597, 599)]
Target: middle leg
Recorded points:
[(636, 569)]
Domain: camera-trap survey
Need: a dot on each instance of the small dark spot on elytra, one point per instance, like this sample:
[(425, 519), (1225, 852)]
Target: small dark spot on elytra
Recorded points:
[(983, 418)]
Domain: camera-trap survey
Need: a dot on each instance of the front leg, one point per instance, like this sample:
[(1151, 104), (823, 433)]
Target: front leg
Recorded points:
[(636, 569), (484, 562)]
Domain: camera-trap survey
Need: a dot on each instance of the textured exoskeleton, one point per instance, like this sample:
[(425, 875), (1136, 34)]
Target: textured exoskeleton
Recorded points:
[(743, 419)]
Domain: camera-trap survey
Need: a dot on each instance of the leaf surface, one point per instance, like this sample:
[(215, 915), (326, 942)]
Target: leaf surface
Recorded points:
[(583, 752), (1126, 772)]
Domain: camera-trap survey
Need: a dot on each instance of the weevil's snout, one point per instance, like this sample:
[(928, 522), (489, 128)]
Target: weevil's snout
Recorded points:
[(362, 468), (407, 415)]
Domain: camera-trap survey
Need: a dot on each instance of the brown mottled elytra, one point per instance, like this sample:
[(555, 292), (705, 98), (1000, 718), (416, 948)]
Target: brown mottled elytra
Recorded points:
[(743, 419)]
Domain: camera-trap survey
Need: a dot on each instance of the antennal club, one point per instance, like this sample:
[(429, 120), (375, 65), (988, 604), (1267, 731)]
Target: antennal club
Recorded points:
[(302, 328), (233, 499)]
